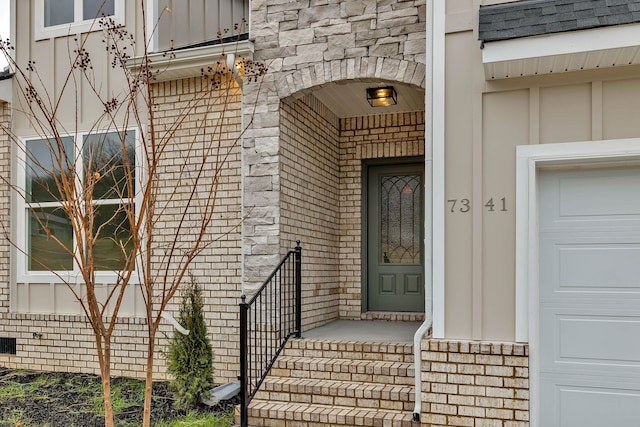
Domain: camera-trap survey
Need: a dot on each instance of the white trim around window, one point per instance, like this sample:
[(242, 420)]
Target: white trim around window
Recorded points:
[(529, 159), (23, 274), (77, 26)]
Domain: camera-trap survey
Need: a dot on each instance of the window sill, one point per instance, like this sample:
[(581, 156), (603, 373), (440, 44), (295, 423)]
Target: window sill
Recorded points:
[(51, 317)]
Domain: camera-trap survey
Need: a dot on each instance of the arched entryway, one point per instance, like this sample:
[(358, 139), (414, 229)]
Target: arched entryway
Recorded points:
[(352, 187)]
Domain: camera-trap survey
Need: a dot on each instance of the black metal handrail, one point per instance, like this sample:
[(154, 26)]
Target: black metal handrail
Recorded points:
[(267, 321)]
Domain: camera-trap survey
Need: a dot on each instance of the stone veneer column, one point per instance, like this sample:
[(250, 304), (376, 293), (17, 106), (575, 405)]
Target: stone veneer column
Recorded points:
[(261, 179)]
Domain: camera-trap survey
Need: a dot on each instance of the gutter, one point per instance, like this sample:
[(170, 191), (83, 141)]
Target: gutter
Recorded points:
[(189, 62), (434, 103)]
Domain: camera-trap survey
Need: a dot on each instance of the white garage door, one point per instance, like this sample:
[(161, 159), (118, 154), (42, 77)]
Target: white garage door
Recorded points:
[(589, 224)]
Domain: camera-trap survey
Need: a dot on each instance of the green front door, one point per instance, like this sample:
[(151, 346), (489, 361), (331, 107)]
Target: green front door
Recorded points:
[(395, 238)]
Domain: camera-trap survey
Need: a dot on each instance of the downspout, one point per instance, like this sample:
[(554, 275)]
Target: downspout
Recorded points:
[(231, 66), (417, 356), (434, 135)]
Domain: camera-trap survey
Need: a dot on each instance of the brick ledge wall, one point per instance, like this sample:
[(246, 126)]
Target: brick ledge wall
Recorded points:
[(475, 384), (72, 318)]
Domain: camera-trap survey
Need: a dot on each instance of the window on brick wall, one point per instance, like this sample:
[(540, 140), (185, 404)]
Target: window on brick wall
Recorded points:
[(46, 234), (54, 18)]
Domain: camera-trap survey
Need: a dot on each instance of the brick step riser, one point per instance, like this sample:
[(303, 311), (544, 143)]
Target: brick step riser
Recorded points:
[(338, 388), (339, 393), (365, 357), (327, 363), (272, 415), (267, 422), (394, 373), (386, 403), (341, 350), (376, 378)]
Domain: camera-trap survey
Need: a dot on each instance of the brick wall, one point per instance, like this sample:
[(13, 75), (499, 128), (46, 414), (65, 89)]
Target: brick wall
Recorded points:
[(50, 342), (309, 201), (212, 129), (475, 384), (386, 136), (45, 341)]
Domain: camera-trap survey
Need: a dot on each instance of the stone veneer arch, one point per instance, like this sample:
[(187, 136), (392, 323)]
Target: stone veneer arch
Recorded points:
[(305, 80)]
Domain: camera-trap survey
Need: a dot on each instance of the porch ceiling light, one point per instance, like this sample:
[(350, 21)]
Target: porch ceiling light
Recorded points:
[(382, 96)]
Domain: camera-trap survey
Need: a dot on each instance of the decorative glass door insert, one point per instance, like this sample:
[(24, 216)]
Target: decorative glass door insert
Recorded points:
[(395, 238)]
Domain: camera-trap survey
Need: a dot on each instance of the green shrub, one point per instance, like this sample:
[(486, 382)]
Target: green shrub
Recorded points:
[(191, 356)]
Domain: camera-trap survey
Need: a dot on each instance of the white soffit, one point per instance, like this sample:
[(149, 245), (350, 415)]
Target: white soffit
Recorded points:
[(349, 98), (562, 52)]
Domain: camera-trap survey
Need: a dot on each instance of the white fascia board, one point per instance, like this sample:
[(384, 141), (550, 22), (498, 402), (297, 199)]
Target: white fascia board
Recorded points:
[(185, 63), (566, 43)]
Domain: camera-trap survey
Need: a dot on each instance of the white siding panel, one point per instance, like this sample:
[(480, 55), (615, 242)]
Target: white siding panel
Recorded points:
[(572, 402), (589, 297), (598, 407), (593, 340), (581, 267), (593, 196), (611, 332), (575, 199)]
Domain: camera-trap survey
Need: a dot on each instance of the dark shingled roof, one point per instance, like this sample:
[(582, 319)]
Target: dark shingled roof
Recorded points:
[(536, 17), (5, 74)]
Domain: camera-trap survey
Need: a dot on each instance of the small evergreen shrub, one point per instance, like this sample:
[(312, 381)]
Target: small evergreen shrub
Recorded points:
[(191, 356)]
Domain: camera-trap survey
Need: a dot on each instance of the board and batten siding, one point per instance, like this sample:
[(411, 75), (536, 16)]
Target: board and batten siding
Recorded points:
[(197, 21), (54, 58), (486, 121)]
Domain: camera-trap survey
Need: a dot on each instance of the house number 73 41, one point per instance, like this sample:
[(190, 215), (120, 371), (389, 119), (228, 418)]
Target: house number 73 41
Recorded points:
[(464, 205)]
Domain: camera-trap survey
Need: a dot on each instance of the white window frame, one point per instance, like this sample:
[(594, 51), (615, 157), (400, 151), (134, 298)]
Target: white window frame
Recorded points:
[(529, 158), (76, 27), (23, 274)]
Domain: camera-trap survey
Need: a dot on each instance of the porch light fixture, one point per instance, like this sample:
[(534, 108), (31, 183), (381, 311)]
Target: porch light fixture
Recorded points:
[(382, 96)]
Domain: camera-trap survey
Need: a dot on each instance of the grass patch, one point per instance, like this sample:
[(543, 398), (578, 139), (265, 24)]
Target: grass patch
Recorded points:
[(30, 399), (201, 420)]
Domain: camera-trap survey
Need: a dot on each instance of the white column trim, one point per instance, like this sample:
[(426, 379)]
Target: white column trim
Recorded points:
[(153, 15), (436, 112)]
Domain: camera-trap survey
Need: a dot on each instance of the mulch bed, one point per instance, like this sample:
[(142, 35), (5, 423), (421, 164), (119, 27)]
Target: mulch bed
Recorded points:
[(67, 400)]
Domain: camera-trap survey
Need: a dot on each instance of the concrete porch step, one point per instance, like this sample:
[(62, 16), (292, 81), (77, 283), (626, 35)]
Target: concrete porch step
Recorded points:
[(337, 393), (278, 414)]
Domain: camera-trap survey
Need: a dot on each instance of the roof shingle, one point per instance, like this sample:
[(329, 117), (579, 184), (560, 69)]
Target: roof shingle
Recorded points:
[(537, 17)]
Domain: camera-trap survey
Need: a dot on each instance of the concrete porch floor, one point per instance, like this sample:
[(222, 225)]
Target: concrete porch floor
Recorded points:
[(365, 330)]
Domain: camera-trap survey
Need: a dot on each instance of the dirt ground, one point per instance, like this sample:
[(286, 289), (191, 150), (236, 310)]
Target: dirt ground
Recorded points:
[(66, 400)]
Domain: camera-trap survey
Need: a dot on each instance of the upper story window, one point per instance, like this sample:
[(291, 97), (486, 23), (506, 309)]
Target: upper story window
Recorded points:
[(54, 18), (47, 233)]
